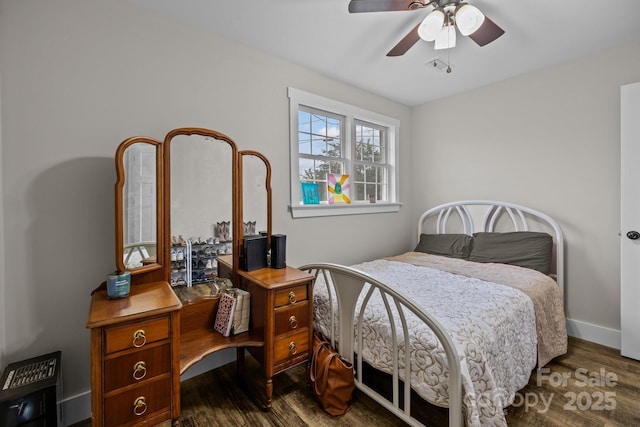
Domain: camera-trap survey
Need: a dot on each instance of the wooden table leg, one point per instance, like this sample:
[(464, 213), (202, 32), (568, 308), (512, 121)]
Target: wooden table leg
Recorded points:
[(269, 393)]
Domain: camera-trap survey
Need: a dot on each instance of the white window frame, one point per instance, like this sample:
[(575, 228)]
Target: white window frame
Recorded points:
[(350, 113)]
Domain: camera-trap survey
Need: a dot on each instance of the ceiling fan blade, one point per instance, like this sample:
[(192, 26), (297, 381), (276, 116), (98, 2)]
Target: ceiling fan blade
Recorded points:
[(359, 6), (406, 43), (488, 32)]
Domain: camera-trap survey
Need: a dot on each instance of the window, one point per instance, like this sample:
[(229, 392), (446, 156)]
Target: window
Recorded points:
[(370, 168), (328, 137)]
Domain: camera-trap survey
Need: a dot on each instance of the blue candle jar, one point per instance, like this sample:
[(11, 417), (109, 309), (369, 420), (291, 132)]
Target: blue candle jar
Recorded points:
[(118, 284)]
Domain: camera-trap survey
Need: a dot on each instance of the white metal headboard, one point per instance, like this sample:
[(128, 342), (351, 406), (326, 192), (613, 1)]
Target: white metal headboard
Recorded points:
[(485, 219)]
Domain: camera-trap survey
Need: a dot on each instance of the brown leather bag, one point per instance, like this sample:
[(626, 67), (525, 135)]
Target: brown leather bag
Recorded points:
[(332, 377)]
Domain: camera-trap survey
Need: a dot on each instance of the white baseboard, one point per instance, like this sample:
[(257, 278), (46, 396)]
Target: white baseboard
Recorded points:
[(594, 333), (78, 408)]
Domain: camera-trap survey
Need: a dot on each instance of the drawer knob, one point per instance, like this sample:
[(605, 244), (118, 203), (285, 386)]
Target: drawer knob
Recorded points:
[(139, 338), (293, 348), (292, 297), (293, 322), (140, 406), (139, 370)]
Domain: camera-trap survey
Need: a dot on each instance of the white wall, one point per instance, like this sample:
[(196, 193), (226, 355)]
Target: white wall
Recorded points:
[(78, 78), (549, 140)]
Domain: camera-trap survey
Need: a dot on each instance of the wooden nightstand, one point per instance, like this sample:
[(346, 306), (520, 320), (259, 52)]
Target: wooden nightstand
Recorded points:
[(135, 374), (281, 312)]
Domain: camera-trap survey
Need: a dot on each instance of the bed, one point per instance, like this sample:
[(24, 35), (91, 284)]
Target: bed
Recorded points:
[(479, 302)]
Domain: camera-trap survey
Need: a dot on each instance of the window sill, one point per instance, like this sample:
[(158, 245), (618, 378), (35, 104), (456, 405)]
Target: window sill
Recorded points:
[(308, 211)]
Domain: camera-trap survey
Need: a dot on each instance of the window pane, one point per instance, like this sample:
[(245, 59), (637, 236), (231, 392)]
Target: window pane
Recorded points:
[(312, 170), (372, 189), (369, 142), (307, 169), (322, 191), (319, 134), (369, 179), (334, 148), (304, 122), (318, 146), (304, 143), (377, 153), (359, 182)]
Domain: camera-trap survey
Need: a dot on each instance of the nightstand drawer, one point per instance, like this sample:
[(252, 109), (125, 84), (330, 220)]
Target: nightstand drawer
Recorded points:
[(137, 403), (291, 345), (136, 335), (291, 295), (295, 317), (136, 367)]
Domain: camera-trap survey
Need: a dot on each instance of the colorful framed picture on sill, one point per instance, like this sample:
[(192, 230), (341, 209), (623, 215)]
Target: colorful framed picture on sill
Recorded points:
[(310, 193), (338, 189)]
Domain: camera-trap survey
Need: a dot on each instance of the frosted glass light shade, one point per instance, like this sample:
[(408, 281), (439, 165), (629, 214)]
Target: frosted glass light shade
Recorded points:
[(468, 19), (431, 26), (446, 38)]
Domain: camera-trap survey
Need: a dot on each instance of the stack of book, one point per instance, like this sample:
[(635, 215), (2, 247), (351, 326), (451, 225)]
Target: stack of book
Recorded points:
[(233, 312)]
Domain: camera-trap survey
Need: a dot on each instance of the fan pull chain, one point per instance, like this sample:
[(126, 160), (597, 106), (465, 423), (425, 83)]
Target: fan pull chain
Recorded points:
[(449, 44)]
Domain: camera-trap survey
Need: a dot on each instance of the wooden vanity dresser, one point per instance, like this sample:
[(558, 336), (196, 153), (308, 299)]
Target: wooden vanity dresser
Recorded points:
[(141, 344)]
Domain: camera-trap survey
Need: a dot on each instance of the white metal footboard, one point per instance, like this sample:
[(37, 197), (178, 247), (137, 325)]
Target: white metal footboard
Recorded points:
[(348, 284)]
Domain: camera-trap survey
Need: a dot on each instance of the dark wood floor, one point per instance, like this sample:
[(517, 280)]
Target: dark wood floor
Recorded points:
[(592, 385), (601, 388)]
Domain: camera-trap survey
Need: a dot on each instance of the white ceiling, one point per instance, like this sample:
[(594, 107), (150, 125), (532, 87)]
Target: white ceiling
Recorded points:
[(323, 36)]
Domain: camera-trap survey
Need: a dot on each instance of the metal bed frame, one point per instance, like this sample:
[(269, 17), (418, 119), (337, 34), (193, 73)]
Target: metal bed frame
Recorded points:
[(347, 283)]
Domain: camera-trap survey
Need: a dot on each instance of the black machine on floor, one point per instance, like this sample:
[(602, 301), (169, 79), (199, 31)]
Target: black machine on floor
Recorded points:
[(29, 390)]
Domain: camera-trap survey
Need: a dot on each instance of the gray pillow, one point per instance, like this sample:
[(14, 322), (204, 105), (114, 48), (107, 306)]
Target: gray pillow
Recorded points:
[(449, 245), (528, 249)]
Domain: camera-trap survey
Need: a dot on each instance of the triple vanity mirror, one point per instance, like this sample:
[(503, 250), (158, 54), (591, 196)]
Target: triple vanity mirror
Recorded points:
[(185, 201)]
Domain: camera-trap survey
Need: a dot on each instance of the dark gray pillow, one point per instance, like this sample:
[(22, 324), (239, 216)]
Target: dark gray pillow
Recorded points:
[(528, 249), (449, 245)]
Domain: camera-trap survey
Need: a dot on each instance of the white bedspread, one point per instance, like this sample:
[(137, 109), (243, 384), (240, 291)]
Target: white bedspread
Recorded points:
[(492, 325)]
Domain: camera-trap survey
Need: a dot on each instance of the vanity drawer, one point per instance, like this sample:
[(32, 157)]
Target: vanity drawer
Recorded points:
[(291, 318), (137, 403), (291, 345), (136, 335), (291, 295), (133, 368)]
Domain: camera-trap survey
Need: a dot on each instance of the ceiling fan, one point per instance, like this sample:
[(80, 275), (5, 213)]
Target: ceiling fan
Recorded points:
[(439, 25)]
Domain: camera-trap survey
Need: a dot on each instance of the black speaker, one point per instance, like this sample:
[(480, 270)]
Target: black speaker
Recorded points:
[(254, 253), (278, 251)]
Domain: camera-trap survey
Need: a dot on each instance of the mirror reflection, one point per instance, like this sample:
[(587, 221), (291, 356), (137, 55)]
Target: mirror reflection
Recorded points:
[(139, 210), (201, 209), (256, 193)]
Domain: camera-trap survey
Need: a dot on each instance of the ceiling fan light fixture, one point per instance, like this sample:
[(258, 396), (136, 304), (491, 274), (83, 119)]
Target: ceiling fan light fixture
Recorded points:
[(446, 38), (468, 19), (431, 25)]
